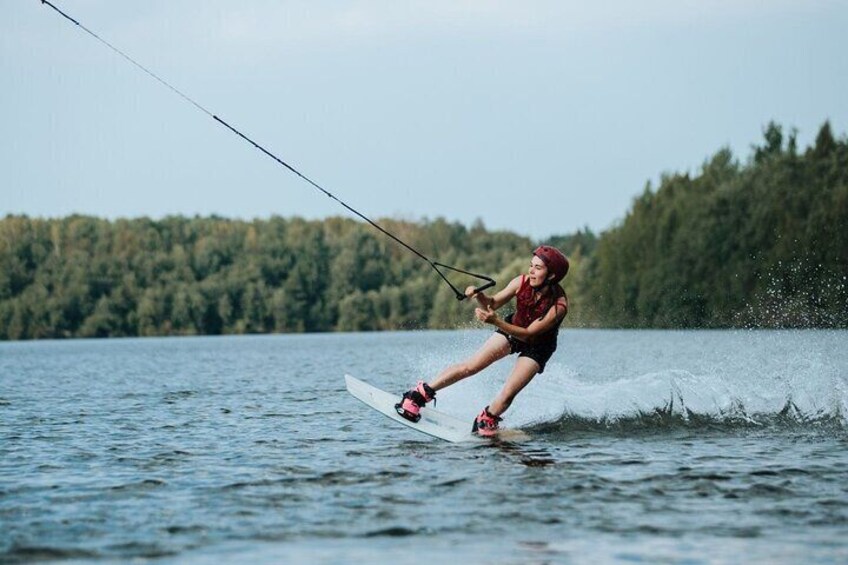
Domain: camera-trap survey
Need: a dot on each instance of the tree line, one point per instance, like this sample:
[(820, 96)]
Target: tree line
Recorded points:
[(764, 244), (759, 244), (82, 276)]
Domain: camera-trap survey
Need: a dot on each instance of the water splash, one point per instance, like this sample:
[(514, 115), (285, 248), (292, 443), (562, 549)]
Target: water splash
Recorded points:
[(803, 293), (674, 399), (637, 380)]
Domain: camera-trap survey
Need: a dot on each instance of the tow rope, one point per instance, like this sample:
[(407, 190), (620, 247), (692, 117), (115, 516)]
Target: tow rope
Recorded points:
[(434, 264)]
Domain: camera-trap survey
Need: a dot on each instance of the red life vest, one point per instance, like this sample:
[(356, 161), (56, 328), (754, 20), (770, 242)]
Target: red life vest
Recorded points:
[(528, 310)]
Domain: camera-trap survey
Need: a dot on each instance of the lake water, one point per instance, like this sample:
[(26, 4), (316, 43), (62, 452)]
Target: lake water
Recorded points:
[(646, 446)]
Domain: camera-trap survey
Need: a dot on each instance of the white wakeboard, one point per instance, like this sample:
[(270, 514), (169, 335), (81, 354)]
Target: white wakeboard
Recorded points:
[(432, 422)]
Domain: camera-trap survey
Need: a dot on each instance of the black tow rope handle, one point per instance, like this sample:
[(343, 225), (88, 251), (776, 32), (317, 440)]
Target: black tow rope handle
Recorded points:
[(461, 295), (480, 289)]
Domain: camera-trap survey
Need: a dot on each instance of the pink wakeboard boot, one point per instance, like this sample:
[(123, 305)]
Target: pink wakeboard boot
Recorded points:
[(414, 400), (486, 424)]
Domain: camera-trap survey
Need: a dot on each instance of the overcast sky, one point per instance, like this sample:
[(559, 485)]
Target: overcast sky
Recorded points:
[(539, 117)]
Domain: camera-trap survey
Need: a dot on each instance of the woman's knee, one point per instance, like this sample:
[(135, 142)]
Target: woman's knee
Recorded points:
[(479, 362), (468, 368)]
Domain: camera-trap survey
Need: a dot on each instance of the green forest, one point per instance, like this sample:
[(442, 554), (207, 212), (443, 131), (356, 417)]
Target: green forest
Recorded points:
[(762, 243)]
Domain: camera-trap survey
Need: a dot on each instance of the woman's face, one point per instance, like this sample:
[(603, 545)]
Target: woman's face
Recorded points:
[(538, 272)]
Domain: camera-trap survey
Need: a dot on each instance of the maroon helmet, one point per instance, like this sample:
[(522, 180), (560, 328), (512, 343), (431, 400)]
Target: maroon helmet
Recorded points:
[(555, 261)]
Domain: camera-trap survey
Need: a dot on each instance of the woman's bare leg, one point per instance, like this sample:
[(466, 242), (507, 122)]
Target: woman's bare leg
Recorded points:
[(496, 347), (523, 372)]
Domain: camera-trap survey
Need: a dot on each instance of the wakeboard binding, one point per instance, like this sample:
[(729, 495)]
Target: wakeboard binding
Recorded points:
[(414, 400)]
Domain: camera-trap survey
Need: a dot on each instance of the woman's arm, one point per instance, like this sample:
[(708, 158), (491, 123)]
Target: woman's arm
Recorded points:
[(548, 322)]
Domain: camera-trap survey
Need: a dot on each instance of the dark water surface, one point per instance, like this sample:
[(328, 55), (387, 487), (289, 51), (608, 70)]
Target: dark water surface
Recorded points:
[(647, 446)]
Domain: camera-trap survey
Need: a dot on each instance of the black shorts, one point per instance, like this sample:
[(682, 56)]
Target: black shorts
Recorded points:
[(539, 352)]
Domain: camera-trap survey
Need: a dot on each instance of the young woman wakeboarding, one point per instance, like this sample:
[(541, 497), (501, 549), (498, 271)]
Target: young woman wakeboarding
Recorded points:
[(541, 306)]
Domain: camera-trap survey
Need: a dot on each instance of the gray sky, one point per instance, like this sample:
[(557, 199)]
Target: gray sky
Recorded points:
[(539, 117)]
